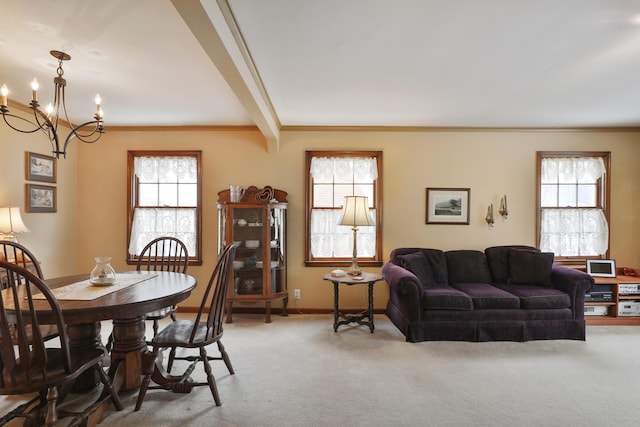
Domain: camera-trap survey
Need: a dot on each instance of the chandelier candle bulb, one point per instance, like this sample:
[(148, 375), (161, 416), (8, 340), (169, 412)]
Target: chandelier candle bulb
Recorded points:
[(34, 89), (4, 91)]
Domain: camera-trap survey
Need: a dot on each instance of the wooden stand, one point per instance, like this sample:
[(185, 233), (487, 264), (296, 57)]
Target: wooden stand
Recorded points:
[(612, 317)]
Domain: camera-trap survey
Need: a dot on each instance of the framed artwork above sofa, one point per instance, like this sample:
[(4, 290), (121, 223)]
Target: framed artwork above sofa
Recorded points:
[(448, 206)]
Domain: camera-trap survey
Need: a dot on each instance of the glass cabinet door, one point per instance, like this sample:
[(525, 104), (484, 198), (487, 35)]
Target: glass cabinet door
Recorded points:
[(247, 235), (277, 253)]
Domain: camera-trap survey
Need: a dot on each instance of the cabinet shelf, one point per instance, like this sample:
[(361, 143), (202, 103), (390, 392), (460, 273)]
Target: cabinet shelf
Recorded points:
[(613, 316), (258, 220)]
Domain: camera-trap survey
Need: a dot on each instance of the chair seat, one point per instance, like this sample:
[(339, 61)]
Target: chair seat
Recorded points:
[(160, 314), (178, 334), (56, 374)]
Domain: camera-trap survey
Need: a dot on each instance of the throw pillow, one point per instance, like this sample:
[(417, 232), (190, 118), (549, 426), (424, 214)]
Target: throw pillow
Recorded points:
[(417, 264), (530, 267)]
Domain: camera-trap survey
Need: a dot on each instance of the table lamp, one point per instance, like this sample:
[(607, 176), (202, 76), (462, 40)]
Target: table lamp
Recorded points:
[(10, 223), (355, 212)]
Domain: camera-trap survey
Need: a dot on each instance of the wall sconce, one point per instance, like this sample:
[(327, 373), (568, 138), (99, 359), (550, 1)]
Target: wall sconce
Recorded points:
[(10, 223), (489, 217), (503, 207)]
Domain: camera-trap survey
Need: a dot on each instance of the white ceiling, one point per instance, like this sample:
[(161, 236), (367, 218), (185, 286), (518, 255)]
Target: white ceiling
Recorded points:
[(431, 63)]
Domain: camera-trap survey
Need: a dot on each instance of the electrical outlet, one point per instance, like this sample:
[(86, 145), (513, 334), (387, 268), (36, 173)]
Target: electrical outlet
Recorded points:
[(296, 294)]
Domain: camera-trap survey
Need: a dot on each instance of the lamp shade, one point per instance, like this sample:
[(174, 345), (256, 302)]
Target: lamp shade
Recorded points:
[(11, 221), (355, 212)]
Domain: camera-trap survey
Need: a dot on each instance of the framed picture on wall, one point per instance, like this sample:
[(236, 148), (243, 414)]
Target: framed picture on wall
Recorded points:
[(39, 167), (40, 198), (448, 205)]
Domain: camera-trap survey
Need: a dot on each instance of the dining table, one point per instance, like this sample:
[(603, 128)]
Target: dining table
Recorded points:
[(126, 301)]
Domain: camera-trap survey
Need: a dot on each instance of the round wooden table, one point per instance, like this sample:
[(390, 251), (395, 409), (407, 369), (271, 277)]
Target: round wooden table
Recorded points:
[(127, 308)]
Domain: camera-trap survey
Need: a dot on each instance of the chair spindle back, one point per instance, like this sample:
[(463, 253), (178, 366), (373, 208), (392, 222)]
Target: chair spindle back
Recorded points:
[(164, 254), (24, 358), (215, 295)]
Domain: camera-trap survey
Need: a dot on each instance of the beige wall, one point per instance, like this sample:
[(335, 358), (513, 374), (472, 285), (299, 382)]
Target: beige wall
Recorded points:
[(490, 163), (52, 236)]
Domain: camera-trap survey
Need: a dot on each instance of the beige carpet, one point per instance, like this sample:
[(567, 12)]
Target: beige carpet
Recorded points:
[(297, 372)]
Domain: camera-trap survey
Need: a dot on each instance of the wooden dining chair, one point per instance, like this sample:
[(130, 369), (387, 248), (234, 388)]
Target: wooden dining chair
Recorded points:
[(28, 365), (163, 254), (16, 253), (198, 333)]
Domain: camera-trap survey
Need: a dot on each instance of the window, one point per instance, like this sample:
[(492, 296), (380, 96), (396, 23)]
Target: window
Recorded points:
[(332, 175), (573, 204), (164, 200)]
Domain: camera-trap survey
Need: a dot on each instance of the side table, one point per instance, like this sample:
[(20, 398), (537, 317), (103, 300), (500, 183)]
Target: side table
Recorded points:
[(368, 278)]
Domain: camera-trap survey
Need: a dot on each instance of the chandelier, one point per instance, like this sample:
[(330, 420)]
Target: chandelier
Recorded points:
[(47, 121)]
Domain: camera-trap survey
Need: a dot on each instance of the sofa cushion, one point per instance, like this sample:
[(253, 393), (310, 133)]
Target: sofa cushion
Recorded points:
[(467, 266), (429, 265), (498, 259), (416, 263), (538, 297), (530, 267), (485, 296), (437, 265), (444, 297)]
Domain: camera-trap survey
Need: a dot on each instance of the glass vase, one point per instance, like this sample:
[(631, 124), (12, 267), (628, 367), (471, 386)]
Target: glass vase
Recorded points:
[(102, 273)]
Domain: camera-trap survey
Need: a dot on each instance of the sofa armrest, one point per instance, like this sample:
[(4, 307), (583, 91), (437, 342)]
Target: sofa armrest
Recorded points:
[(405, 291), (574, 282)]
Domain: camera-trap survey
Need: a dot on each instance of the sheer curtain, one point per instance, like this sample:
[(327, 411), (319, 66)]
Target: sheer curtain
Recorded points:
[(160, 218), (573, 231), (328, 239)]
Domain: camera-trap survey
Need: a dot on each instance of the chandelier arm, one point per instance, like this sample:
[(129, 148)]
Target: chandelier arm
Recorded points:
[(6, 114), (96, 132)]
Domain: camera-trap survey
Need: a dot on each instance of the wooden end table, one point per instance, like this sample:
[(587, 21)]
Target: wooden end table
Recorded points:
[(368, 278)]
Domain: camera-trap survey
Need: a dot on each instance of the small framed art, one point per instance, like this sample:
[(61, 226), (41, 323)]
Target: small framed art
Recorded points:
[(448, 206), (39, 167), (40, 198)]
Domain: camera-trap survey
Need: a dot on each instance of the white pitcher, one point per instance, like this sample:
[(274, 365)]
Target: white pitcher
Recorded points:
[(236, 193)]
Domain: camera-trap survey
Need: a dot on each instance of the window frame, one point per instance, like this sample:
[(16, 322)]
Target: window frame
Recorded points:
[(603, 196), (194, 259), (375, 261)]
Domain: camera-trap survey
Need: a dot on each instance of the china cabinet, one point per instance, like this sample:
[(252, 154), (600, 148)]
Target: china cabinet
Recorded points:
[(257, 226)]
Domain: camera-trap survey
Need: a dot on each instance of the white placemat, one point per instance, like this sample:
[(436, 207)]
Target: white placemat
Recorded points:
[(85, 290)]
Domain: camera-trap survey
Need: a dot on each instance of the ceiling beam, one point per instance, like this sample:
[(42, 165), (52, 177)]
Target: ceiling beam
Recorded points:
[(213, 25)]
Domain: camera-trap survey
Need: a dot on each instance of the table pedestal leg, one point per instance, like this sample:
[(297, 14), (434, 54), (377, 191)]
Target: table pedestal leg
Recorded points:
[(83, 337), (126, 357)]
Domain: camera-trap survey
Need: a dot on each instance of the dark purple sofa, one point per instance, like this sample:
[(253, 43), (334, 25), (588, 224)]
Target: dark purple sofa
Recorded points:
[(506, 293)]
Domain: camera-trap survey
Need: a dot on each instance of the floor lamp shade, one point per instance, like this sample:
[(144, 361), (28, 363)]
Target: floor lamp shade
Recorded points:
[(10, 223), (355, 213)]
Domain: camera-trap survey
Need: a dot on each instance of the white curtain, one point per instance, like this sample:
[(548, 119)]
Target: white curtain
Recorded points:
[(156, 169), (573, 231), (344, 169), (152, 222), (328, 239), (571, 169)]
